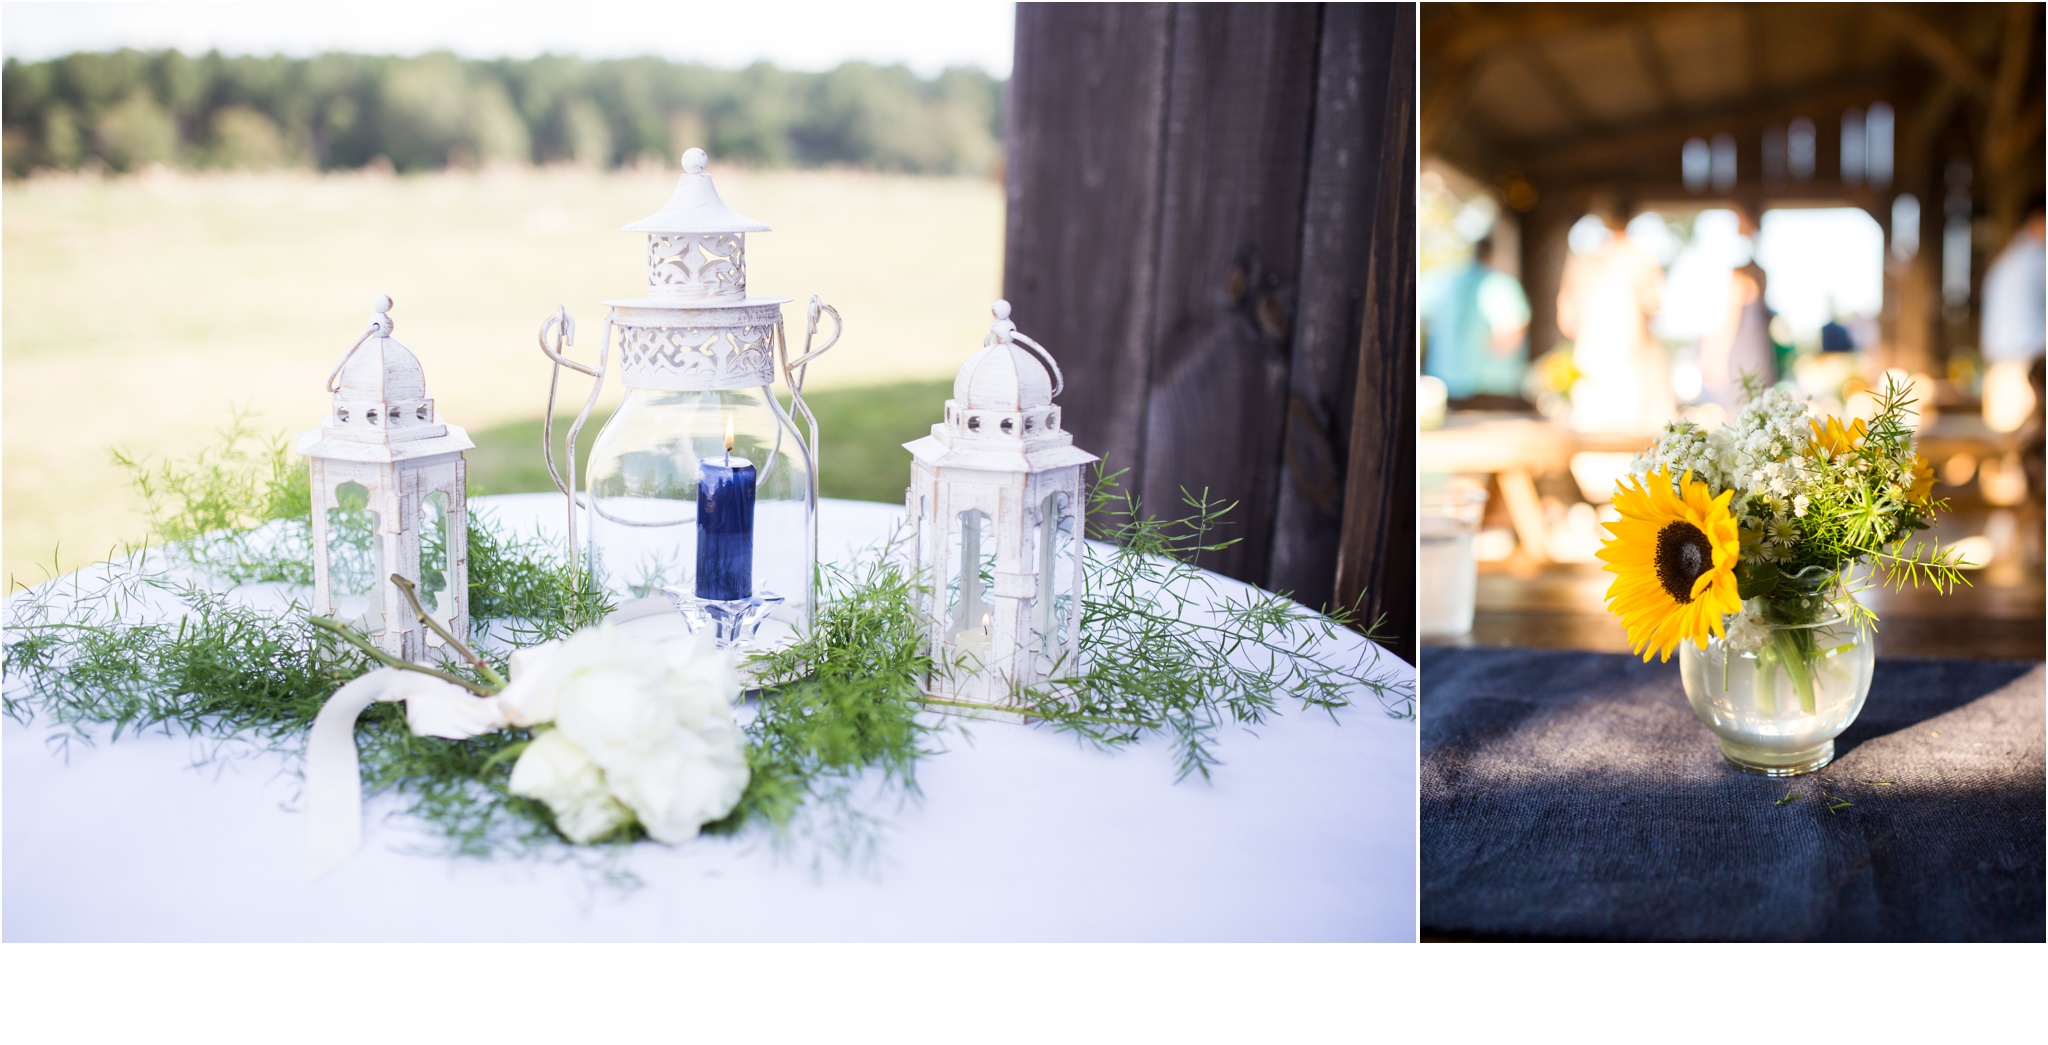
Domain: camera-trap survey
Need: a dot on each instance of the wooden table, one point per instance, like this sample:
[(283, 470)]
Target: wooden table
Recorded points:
[(1515, 449), (1561, 606)]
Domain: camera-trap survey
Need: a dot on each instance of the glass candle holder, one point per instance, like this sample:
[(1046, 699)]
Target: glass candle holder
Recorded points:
[(650, 535), (1446, 574)]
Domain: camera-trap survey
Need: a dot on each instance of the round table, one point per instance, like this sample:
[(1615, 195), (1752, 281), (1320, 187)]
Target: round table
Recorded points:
[(1307, 832)]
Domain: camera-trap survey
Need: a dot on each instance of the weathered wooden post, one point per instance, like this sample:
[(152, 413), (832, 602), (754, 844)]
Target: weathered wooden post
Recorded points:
[(1212, 209)]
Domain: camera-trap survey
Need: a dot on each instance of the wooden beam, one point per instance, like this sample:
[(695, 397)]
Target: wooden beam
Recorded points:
[(1376, 561), (1444, 96), (2016, 48), (1934, 45), (1925, 124), (1853, 31), (1478, 29), (1240, 105), (1617, 148), (1087, 117), (1354, 72), (1561, 93), (1671, 194), (2024, 130), (1752, 49), (1654, 68)]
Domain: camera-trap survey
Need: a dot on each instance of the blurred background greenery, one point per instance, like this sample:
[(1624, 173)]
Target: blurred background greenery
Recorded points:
[(209, 233), (128, 109)]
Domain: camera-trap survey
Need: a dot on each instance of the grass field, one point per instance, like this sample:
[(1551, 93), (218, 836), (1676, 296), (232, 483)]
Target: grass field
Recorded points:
[(140, 313)]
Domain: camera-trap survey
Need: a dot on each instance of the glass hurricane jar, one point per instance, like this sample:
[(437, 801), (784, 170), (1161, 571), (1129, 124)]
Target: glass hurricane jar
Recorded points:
[(1790, 676), (644, 473)]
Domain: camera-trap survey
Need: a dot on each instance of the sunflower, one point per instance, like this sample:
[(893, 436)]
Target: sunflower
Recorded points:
[(1673, 554), (1833, 440)]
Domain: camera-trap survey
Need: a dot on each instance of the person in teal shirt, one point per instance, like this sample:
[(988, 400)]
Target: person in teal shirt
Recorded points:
[(1475, 317)]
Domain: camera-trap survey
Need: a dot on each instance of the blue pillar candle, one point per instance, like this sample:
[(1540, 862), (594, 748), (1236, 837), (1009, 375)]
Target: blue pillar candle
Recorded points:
[(725, 528)]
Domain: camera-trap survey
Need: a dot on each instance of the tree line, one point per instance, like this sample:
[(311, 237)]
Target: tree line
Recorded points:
[(125, 110)]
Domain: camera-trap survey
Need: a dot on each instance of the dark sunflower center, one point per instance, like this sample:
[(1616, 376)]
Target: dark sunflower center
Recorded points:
[(1683, 553)]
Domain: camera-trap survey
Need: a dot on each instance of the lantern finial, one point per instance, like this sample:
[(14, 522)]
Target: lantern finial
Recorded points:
[(381, 317), (694, 160), (1002, 331)]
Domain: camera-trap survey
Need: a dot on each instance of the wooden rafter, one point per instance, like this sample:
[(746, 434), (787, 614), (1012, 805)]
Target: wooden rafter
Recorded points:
[(1613, 149), (1654, 68), (2015, 52), (1752, 49), (1477, 29), (1554, 84), (1444, 99), (1930, 117), (1934, 45)]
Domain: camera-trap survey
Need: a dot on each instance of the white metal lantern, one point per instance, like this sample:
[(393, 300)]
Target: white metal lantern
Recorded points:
[(701, 492), (996, 499), (389, 486)]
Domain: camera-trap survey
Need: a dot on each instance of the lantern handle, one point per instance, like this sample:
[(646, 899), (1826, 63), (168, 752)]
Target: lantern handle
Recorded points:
[(562, 326), (793, 369), (1003, 331), (380, 326), (798, 407), (1059, 380)]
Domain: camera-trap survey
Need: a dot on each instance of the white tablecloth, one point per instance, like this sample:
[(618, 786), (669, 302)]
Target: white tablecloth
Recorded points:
[(1306, 833)]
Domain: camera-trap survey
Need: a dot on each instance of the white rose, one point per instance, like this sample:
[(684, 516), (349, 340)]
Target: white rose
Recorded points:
[(527, 699), (655, 719), (679, 789), (554, 770)]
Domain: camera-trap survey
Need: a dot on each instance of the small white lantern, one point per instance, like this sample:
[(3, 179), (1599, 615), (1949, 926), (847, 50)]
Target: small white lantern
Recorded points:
[(389, 496), (996, 503)]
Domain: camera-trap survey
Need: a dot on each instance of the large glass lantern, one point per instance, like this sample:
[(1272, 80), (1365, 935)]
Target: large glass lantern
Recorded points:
[(701, 492), (389, 497), (998, 518)]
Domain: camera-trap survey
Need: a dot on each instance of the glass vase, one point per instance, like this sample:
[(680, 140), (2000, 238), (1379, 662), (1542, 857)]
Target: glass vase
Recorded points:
[(1790, 676), (643, 503)]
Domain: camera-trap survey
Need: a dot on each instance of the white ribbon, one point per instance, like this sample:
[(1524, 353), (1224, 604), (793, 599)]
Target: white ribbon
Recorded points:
[(334, 781)]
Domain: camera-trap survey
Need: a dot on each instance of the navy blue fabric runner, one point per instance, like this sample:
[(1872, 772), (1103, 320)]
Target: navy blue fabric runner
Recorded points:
[(1572, 795)]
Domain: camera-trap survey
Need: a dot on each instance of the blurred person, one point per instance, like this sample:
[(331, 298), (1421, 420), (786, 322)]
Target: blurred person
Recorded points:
[(2032, 440), (1477, 317), (1604, 305), (2015, 320), (1740, 344), (1834, 337)]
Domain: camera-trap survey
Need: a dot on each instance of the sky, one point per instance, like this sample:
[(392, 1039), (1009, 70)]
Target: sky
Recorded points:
[(793, 34)]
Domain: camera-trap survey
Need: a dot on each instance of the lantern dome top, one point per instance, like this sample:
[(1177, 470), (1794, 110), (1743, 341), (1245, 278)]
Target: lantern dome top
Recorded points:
[(695, 207), (1003, 375), (381, 411), (380, 368)]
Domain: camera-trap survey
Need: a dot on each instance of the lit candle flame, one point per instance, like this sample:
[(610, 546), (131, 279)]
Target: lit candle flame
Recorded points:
[(984, 623), (728, 435)]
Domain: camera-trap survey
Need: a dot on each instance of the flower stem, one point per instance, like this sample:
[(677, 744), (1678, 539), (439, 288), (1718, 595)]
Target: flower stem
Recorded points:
[(1766, 687), (1797, 668), (483, 668), (356, 639)]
